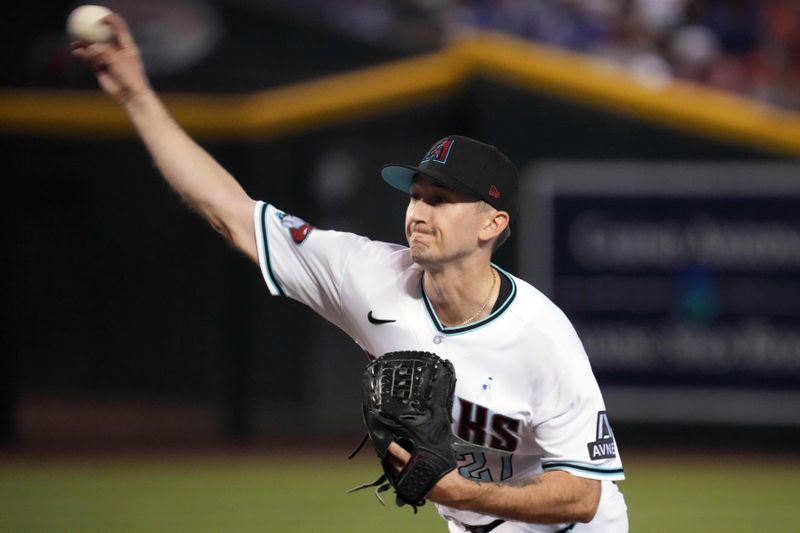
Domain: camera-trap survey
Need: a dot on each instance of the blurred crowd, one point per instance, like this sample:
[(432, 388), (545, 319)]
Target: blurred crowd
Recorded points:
[(749, 47)]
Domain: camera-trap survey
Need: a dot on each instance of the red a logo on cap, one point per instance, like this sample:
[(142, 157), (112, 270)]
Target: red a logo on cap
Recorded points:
[(494, 192), (439, 152)]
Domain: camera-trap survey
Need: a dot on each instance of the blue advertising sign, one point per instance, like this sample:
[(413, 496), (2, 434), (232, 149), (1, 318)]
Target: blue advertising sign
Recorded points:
[(680, 278)]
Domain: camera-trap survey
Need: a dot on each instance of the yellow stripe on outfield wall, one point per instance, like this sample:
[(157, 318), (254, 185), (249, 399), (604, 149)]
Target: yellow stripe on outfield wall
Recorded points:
[(370, 91), (270, 113), (603, 85)]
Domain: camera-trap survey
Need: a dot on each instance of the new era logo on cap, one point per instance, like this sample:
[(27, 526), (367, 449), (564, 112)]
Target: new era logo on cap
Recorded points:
[(465, 165)]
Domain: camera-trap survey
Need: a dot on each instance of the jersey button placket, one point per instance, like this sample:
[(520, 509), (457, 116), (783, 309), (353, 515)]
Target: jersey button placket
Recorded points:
[(437, 339)]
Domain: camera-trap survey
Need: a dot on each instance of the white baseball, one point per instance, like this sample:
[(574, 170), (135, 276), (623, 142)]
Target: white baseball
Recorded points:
[(85, 23)]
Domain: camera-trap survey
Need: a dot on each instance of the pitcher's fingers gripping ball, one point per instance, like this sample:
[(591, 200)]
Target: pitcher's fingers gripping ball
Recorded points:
[(108, 32), (116, 62), (407, 397)]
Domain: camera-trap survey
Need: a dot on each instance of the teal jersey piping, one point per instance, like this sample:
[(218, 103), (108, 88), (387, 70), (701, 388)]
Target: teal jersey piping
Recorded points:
[(565, 465), (475, 325), (265, 238)]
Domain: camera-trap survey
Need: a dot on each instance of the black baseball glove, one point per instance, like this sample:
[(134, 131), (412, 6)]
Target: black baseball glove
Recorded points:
[(407, 397)]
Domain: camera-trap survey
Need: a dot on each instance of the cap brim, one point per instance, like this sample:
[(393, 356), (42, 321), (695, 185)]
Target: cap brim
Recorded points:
[(402, 176)]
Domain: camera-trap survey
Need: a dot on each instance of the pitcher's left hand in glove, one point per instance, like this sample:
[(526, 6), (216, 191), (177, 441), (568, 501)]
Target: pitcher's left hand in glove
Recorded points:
[(407, 397)]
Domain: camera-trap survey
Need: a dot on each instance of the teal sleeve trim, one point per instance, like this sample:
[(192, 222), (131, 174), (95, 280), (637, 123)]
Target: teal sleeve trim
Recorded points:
[(267, 260), (579, 467)]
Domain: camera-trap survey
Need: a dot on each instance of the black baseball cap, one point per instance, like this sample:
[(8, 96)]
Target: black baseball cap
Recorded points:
[(464, 165)]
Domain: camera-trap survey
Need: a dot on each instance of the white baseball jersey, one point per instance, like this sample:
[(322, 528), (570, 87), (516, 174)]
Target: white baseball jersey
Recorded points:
[(526, 399)]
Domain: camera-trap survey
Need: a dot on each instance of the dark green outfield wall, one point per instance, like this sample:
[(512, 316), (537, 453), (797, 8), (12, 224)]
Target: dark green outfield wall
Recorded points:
[(114, 290)]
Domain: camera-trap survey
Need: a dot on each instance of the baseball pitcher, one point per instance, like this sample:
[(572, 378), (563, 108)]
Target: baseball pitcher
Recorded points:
[(530, 446)]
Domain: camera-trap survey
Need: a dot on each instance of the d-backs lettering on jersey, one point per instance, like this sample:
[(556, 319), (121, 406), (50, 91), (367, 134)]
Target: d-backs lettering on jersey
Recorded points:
[(478, 425)]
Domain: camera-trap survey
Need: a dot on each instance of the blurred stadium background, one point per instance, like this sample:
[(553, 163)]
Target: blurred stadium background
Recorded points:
[(147, 380)]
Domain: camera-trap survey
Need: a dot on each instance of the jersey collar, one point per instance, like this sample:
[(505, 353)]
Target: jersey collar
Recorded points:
[(474, 325)]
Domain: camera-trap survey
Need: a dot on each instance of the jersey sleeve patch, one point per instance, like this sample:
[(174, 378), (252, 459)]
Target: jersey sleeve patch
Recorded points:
[(605, 447), (298, 228)]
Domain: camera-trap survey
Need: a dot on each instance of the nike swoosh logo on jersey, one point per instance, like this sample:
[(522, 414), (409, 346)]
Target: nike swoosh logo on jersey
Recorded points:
[(374, 320)]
